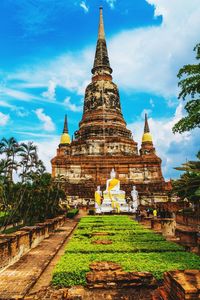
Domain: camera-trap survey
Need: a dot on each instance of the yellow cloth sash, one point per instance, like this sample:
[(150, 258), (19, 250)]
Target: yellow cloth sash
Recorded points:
[(113, 183), (97, 198)]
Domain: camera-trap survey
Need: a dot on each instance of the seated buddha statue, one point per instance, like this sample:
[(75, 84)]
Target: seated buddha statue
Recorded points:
[(113, 184)]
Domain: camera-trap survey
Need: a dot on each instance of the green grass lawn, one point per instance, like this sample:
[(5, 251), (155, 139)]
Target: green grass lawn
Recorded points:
[(133, 246)]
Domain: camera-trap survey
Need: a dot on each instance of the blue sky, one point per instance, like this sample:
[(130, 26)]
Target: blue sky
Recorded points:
[(46, 55)]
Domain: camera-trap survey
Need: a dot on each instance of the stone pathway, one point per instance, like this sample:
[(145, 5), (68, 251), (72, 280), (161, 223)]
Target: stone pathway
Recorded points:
[(45, 278), (17, 280)]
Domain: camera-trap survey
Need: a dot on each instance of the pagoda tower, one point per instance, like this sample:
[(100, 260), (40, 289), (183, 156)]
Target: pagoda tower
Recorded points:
[(103, 141)]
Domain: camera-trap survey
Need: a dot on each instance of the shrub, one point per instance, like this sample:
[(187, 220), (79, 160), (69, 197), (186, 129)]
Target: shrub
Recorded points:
[(72, 213)]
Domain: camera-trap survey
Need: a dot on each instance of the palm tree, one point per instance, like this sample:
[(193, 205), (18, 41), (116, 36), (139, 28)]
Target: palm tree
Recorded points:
[(29, 158), (9, 148)]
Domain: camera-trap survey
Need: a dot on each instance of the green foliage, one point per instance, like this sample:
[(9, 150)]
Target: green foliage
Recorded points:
[(3, 214), (72, 213), (133, 247), (37, 196), (188, 186), (190, 88)]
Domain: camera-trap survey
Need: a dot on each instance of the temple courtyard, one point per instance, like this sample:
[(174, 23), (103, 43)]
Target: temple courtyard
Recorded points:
[(98, 211), (101, 257)]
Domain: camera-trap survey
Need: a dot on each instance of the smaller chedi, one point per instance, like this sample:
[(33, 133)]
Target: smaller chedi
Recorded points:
[(113, 199)]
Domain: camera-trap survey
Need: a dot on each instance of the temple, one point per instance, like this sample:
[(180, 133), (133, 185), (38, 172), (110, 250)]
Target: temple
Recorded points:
[(103, 142)]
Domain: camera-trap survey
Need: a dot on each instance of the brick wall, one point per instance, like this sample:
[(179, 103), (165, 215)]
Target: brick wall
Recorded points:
[(15, 245)]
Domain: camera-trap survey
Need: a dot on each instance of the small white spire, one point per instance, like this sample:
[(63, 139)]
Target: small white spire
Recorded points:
[(101, 34)]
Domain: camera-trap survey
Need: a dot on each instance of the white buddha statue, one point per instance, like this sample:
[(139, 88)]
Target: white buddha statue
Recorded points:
[(135, 200), (112, 184), (97, 196), (113, 197)]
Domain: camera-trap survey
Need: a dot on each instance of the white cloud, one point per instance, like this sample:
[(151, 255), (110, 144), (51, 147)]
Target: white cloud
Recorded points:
[(33, 134), (21, 112), (149, 58), (75, 79), (51, 92), (71, 106), (6, 104), (48, 124), (173, 149), (84, 6), (111, 3), (145, 59), (16, 94), (45, 152), (151, 102), (4, 119)]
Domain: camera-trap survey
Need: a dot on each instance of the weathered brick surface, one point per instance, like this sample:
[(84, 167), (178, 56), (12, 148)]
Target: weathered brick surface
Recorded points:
[(156, 224), (102, 242), (182, 219), (81, 293), (146, 221), (15, 245), (180, 285), (164, 225), (168, 226), (17, 279), (187, 235), (109, 275)]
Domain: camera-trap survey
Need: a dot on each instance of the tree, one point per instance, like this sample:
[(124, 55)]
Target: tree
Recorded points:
[(37, 196), (28, 158), (10, 148), (190, 88), (188, 186)]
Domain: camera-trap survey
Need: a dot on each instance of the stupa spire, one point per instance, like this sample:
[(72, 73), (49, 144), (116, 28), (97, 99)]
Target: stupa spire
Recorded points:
[(101, 34), (146, 125), (101, 60), (146, 135), (65, 128), (65, 138)]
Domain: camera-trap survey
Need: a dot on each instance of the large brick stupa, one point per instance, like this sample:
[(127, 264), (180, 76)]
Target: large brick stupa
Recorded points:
[(103, 142)]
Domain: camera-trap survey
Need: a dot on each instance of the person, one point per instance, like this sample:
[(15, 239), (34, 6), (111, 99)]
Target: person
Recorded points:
[(155, 213), (138, 217), (148, 212)]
